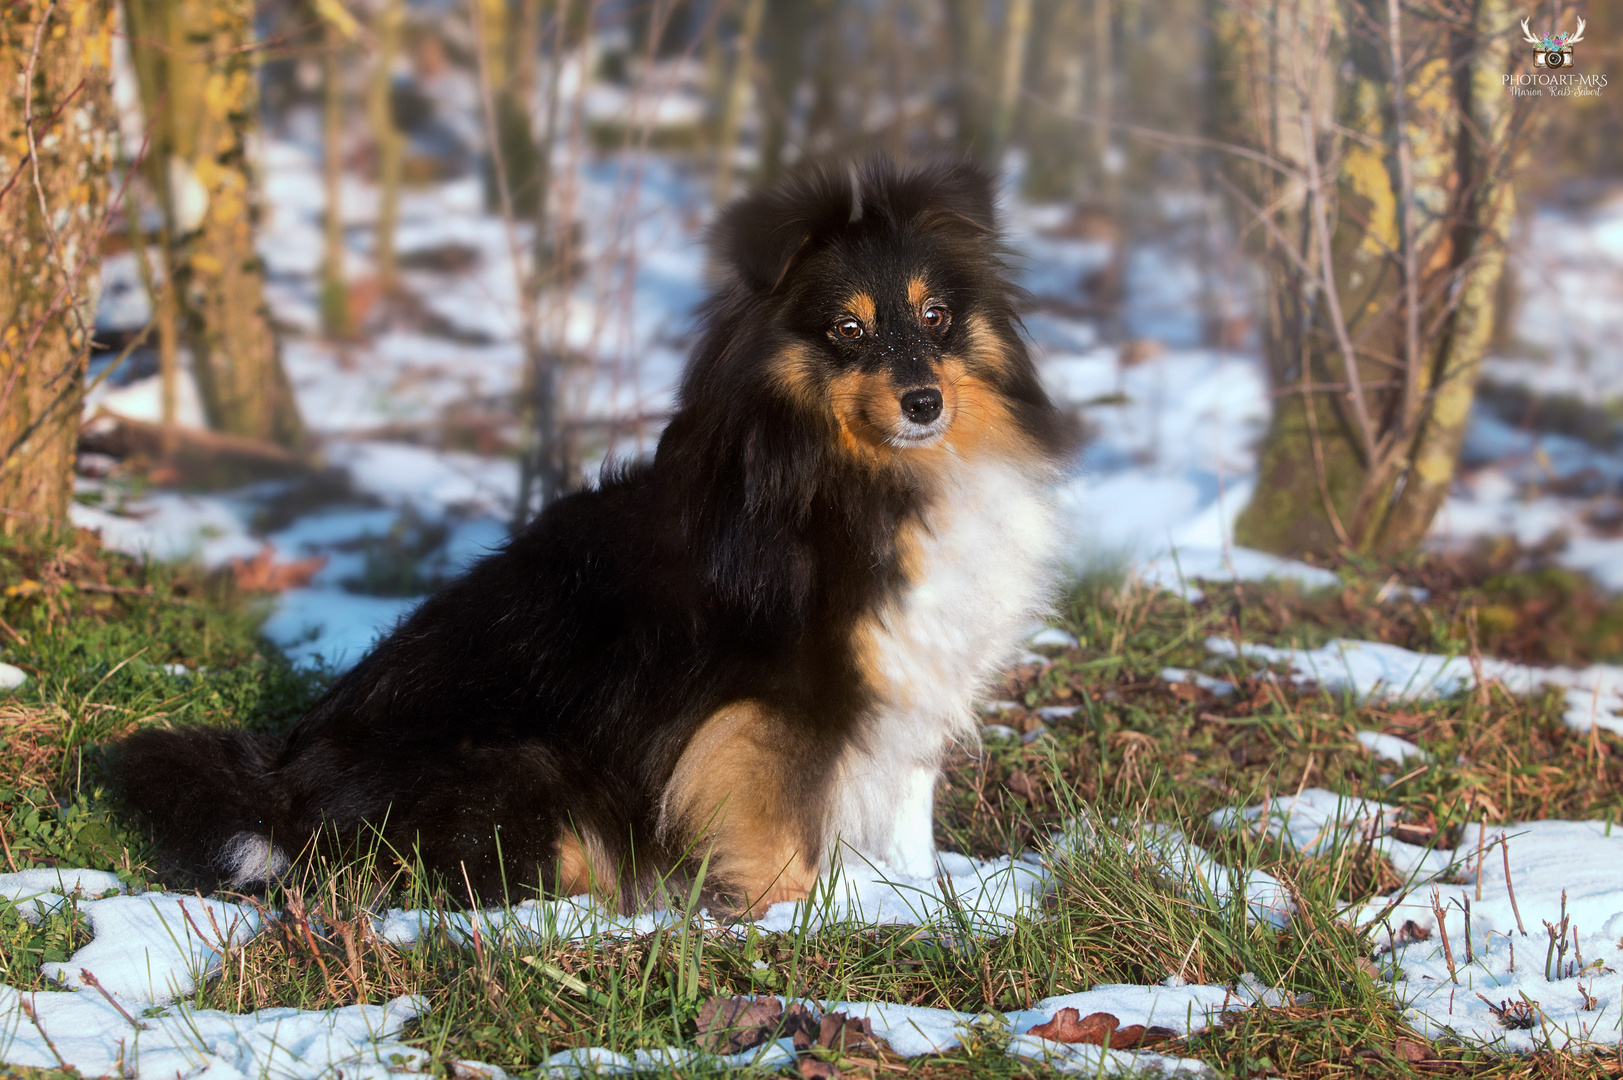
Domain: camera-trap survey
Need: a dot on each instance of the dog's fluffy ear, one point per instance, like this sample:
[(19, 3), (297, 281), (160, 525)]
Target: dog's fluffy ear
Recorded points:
[(761, 236), (949, 196)]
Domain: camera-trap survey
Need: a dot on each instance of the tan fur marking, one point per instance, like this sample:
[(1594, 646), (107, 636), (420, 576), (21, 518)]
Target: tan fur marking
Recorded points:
[(583, 867), (792, 370), (985, 350), (725, 796), (862, 306), (862, 404), (917, 292)]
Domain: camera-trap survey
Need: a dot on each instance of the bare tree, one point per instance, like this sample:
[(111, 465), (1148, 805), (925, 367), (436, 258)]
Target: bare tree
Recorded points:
[(55, 148), (1377, 148)]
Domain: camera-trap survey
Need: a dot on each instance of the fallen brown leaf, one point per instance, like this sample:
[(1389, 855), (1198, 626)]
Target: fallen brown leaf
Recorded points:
[(1411, 1050), (812, 1069), (732, 1025), (842, 1033), (263, 573), (1069, 1026), (1022, 785), (1096, 1028)]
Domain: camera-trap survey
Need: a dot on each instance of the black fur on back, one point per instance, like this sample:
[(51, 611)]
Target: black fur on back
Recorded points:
[(554, 686)]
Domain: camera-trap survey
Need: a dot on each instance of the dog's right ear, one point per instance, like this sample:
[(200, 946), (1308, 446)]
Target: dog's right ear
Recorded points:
[(762, 236)]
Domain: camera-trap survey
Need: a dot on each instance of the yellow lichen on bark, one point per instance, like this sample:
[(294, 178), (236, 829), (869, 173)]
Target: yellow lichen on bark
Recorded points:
[(53, 104)]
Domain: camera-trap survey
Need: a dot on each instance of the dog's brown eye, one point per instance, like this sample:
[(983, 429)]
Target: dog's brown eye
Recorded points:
[(848, 328), (936, 317)]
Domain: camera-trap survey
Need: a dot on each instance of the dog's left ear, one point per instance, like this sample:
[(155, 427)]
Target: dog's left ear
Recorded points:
[(958, 196), (762, 236)]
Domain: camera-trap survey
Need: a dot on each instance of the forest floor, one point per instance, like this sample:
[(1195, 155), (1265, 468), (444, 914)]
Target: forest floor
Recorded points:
[(1124, 749)]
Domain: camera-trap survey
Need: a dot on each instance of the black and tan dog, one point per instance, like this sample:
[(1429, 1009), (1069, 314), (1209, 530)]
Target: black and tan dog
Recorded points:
[(755, 648)]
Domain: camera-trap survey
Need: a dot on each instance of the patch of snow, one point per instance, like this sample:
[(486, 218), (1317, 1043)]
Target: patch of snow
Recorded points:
[(1390, 747), (1052, 636), (153, 948), (1556, 868), (143, 399), (171, 526), (38, 892), (1314, 821), (91, 1035), (1220, 687), (11, 676), (332, 627), (1178, 567), (1377, 671)]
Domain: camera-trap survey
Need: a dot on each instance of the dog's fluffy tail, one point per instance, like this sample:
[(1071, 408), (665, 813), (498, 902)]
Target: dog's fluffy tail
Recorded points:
[(211, 800)]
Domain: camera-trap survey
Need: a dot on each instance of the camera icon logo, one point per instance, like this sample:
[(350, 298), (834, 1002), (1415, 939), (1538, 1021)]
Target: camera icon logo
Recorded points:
[(1553, 50)]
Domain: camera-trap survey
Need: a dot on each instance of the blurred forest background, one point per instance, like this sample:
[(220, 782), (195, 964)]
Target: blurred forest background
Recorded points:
[(333, 293)]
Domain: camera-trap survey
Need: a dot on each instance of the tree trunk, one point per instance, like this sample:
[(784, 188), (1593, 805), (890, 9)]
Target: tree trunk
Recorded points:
[(966, 34), (1011, 76), (787, 23), (391, 144), (737, 91), (56, 140), (1393, 198), (335, 318), (196, 74)]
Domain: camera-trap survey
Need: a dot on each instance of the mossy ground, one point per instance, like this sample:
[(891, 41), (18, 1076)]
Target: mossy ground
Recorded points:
[(96, 631)]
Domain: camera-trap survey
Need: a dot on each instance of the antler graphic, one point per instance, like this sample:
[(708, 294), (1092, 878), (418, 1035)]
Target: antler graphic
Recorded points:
[(1528, 34), (1579, 36)]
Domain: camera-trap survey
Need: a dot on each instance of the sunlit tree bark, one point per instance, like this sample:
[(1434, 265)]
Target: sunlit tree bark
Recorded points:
[(1382, 148), (195, 65), (55, 145)]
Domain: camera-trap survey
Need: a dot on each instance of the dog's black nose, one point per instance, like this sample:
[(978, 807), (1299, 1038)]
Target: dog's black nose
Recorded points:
[(922, 406)]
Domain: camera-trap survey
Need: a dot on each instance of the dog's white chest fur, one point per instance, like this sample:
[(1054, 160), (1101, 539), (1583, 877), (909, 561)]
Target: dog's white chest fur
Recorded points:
[(986, 571)]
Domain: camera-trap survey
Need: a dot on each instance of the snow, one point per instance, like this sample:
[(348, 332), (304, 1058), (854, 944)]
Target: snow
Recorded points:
[(90, 1034), (986, 894), (1315, 821), (11, 676), (1390, 747), (154, 948), (147, 952), (1220, 687), (1373, 671), (1557, 868)]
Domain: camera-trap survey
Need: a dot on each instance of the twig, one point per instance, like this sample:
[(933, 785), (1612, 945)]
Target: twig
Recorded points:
[(1442, 932), (28, 1010), (1470, 958), (90, 980), (1504, 849), (1406, 205), (1332, 295)]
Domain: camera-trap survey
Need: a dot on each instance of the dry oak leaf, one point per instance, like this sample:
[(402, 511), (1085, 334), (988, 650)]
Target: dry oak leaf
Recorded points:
[(844, 1034), (1411, 1050), (733, 1025), (263, 573), (1021, 784), (812, 1069), (1068, 1026)]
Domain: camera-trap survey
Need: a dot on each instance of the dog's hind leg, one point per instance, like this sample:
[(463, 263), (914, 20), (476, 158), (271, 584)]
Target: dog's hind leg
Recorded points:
[(737, 797)]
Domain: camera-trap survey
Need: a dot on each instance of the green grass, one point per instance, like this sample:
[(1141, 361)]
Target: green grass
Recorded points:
[(93, 630)]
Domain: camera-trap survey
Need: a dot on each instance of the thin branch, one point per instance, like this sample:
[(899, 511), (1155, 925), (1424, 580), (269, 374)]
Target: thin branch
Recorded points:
[(1411, 271), (1167, 137), (1349, 359)]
